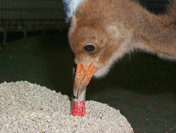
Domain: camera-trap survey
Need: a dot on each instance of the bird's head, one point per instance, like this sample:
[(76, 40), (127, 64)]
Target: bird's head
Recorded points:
[(94, 50)]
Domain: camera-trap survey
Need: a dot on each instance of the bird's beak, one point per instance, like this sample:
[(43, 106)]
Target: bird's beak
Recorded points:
[(84, 73)]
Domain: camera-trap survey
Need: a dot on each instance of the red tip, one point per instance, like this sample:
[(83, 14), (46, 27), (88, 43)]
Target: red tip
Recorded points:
[(78, 109)]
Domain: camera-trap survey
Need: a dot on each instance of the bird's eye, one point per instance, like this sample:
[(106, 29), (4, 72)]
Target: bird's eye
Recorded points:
[(89, 48)]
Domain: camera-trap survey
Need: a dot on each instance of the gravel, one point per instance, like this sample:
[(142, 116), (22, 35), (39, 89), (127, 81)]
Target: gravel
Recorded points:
[(27, 107)]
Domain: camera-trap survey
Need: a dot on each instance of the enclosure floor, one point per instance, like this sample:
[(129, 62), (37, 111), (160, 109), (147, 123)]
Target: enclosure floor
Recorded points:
[(141, 86)]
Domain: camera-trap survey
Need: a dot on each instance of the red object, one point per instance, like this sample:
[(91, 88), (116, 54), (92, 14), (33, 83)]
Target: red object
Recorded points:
[(78, 108)]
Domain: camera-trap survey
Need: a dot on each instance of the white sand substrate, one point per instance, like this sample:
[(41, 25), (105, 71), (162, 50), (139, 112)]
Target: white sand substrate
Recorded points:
[(27, 107)]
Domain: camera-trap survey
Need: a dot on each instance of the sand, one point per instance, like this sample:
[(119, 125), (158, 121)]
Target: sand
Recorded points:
[(27, 107)]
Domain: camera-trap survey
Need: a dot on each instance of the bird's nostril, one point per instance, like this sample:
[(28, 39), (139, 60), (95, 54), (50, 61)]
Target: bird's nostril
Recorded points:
[(89, 48)]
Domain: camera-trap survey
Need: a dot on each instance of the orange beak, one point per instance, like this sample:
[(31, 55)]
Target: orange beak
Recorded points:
[(84, 73)]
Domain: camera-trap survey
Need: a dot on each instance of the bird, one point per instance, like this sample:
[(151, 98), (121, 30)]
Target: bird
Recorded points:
[(103, 31)]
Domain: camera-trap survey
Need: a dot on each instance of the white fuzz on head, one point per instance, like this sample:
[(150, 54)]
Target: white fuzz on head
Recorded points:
[(70, 7)]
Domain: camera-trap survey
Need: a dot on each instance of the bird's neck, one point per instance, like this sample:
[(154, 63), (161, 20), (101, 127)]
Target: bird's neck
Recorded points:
[(155, 37), (144, 30), (156, 34)]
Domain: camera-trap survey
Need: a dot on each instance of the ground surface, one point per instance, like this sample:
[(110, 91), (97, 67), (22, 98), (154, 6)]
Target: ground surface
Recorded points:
[(142, 86)]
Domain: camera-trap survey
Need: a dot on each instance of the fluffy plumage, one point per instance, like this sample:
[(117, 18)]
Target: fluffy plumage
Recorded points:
[(116, 27)]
